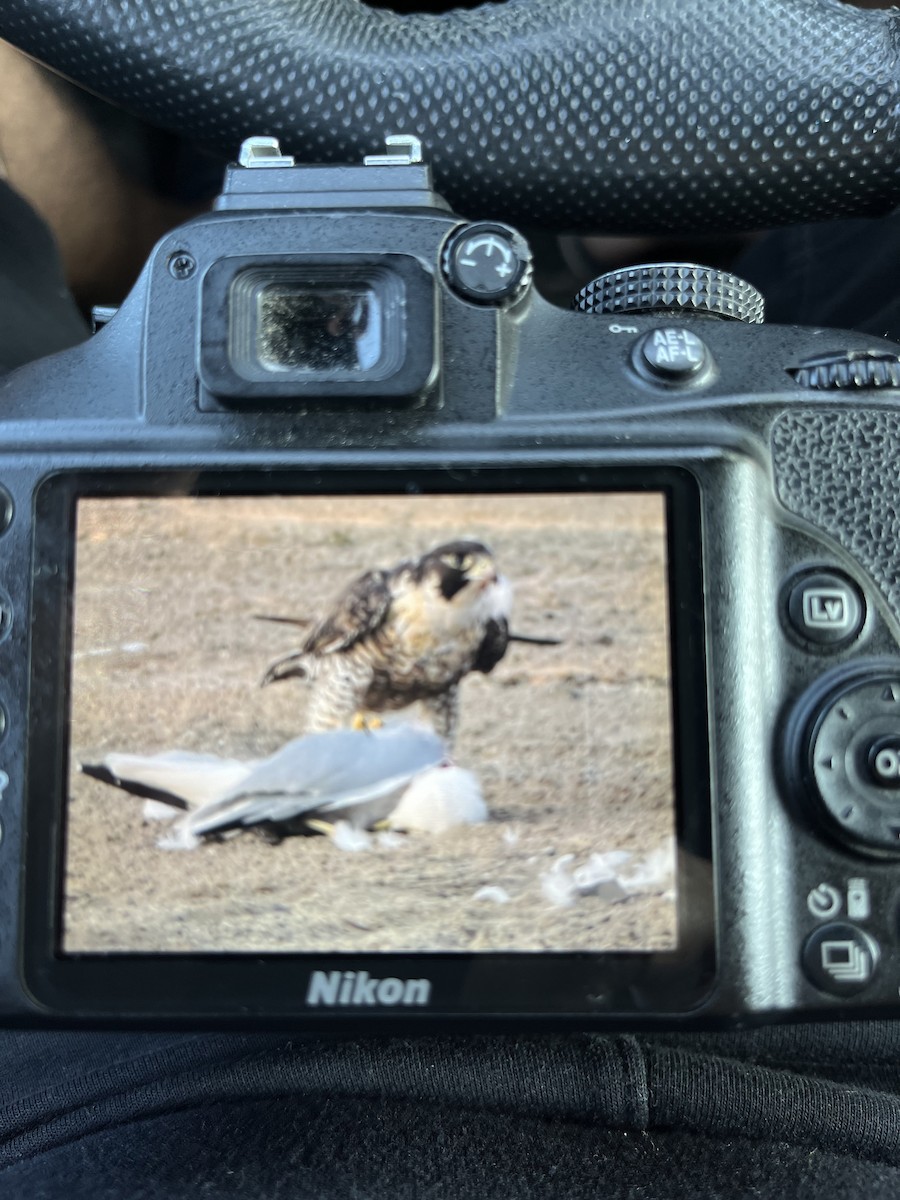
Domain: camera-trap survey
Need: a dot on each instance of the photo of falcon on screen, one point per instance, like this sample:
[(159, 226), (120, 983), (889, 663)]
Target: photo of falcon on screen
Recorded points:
[(406, 634)]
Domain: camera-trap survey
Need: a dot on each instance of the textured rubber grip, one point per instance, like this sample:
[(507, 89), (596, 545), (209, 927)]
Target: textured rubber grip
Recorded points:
[(838, 470), (614, 115)]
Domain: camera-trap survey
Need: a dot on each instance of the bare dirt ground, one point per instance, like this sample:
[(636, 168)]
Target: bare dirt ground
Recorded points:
[(570, 743)]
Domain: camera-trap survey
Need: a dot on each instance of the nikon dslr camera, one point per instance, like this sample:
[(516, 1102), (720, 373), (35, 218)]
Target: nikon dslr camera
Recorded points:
[(585, 674)]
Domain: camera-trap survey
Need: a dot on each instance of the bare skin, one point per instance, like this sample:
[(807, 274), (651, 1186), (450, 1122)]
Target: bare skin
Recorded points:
[(50, 152)]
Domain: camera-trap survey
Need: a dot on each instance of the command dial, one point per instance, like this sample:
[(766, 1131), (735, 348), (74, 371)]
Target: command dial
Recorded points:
[(852, 370), (673, 288)]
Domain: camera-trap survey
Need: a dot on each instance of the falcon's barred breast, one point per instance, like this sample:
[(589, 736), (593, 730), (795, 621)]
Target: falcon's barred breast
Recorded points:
[(403, 635)]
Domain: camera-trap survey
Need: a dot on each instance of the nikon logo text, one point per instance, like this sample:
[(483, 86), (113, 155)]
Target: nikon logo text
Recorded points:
[(335, 988)]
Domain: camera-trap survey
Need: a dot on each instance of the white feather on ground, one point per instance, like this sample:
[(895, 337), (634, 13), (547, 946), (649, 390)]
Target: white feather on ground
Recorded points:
[(603, 876)]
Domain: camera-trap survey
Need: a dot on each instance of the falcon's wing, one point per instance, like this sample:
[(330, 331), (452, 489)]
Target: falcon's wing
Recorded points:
[(359, 611), (493, 645)]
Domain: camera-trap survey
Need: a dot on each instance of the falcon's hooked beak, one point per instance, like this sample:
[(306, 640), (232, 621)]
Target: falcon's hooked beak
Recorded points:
[(476, 567), (482, 573)]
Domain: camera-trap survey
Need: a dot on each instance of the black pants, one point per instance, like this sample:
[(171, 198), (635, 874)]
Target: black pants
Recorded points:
[(790, 1111), (800, 1111)]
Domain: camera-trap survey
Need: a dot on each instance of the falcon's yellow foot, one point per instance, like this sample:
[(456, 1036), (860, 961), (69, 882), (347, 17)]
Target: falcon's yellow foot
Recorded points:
[(317, 825), (360, 721)]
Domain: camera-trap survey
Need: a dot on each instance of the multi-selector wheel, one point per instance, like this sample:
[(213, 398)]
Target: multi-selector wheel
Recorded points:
[(842, 754)]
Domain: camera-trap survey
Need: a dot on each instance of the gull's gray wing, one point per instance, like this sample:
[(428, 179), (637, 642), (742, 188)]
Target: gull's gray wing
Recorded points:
[(341, 774), (177, 777)]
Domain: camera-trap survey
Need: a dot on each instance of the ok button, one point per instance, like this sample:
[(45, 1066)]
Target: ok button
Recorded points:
[(883, 761)]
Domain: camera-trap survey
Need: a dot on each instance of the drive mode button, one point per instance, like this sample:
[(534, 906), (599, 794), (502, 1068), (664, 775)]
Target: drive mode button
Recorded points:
[(840, 959)]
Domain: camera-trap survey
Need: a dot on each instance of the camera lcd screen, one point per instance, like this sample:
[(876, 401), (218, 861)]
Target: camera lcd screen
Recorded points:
[(551, 820)]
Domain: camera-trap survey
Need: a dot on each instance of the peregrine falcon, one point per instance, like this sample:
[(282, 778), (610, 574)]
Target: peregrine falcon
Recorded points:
[(405, 634)]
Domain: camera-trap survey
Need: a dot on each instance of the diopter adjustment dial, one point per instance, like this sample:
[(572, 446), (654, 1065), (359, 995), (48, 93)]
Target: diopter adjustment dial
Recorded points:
[(487, 262), (674, 289)]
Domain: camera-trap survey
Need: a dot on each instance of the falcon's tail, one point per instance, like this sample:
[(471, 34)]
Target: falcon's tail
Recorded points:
[(534, 641), (300, 622)]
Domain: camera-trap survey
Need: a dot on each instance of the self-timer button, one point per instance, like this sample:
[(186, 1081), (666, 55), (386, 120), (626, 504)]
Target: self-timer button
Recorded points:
[(824, 901), (487, 262)]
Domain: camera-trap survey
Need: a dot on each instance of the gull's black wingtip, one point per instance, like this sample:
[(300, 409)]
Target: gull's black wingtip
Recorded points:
[(133, 786)]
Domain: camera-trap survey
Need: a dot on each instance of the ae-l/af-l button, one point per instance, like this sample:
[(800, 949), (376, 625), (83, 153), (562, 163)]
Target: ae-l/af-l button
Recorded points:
[(673, 355)]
